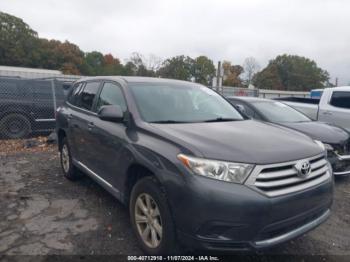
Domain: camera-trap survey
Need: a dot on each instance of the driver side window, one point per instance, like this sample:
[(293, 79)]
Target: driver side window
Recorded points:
[(111, 94)]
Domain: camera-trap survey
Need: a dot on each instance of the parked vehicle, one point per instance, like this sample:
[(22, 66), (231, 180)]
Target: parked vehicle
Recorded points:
[(333, 107), (28, 105), (316, 93), (336, 139), (191, 168)]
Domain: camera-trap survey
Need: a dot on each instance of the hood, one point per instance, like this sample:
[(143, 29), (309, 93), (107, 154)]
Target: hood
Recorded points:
[(320, 131), (246, 141)]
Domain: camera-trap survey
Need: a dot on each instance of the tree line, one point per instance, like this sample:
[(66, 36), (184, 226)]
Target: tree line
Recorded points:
[(21, 46)]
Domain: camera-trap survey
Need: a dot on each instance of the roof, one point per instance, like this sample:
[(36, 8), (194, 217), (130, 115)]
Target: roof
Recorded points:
[(340, 88), (137, 79)]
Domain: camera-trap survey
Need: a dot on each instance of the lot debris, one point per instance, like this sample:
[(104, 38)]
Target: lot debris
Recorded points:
[(36, 144), (52, 138), (30, 143)]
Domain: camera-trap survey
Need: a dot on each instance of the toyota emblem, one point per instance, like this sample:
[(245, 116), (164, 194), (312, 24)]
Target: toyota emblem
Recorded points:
[(303, 168)]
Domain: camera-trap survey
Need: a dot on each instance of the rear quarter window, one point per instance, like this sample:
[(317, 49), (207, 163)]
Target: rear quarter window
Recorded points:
[(73, 97)]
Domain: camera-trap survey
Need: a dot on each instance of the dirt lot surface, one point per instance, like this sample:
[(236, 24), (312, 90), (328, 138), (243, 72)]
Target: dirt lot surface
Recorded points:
[(42, 213)]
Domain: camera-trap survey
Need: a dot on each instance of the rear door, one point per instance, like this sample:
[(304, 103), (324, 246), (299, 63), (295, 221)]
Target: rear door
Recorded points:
[(337, 111), (82, 121)]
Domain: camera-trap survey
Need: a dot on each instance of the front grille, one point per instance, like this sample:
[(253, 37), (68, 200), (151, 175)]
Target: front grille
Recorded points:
[(280, 179)]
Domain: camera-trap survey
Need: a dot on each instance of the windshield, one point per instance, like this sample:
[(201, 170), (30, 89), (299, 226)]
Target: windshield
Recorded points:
[(279, 112), (172, 103)]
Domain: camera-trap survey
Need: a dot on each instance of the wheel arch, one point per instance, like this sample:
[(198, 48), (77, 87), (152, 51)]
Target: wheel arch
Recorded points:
[(135, 172)]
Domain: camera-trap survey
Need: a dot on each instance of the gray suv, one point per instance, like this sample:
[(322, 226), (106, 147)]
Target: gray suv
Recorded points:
[(192, 170)]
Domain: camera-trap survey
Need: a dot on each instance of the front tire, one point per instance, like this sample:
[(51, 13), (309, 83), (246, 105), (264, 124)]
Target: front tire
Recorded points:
[(68, 169), (151, 218)]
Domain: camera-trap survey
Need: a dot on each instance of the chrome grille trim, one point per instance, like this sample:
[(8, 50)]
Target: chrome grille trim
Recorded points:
[(282, 178)]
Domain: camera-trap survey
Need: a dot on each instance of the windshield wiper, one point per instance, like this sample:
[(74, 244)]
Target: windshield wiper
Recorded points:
[(168, 122), (222, 119)]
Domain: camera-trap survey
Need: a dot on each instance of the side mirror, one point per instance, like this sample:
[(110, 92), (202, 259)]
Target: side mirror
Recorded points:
[(112, 113)]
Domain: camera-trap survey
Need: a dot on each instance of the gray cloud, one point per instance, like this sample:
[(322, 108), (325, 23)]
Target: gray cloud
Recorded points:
[(221, 29)]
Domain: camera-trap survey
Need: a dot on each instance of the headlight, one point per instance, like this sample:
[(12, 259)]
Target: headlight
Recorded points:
[(328, 147), (320, 144), (323, 146), (220, 170)]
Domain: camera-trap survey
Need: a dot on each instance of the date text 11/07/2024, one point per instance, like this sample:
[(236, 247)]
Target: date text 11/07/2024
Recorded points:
[(173, 258)]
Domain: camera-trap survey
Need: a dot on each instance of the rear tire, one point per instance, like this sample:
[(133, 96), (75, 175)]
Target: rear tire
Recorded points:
[(154, 226), (68, 169), (15, 126)]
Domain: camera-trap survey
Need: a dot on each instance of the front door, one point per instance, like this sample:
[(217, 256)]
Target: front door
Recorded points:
[(109, 137), (337, 111)]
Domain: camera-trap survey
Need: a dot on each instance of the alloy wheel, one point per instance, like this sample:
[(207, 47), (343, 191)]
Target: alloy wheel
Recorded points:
[(65, 158), (148, 220)]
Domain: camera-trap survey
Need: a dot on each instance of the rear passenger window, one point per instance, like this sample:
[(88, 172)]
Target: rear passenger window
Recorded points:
[(74, 96), (341, 99), (88, 95), (111, 94)]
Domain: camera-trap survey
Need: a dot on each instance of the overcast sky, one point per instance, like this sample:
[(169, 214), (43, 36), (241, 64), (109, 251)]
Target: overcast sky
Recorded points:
[(220, 29)]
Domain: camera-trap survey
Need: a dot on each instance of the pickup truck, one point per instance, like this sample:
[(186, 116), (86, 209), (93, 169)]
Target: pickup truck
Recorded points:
[(27, 105), (333, 107)]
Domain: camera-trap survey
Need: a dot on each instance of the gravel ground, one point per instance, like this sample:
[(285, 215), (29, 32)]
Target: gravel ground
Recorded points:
[(43, 214)]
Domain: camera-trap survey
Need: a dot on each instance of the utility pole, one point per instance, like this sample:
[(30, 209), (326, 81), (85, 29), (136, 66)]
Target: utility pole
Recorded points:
[(336, 81), (218, 75)]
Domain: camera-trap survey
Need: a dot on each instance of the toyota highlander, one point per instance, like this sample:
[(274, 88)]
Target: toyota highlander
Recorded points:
[(193, 171)]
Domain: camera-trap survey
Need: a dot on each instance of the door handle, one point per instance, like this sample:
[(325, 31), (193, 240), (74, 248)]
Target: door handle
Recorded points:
[(70, 116), (328, 113)]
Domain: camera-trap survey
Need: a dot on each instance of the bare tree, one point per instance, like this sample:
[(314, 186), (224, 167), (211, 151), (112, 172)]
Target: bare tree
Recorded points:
[(251, 67), (154, 62), (151, 62), (137, 59)]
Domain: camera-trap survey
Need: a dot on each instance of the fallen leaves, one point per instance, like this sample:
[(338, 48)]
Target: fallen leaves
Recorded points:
[(35, 144)]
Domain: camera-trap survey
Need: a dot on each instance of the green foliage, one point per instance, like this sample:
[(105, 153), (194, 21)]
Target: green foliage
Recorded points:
[(95, 63), (130, 69), (178, 67), (92, 63), (291, 72), (200, 69), (204, 70), (17, 41)]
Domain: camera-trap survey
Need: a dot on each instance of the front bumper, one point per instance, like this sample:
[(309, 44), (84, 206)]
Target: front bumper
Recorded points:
[(216, 215), (228, 245)]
